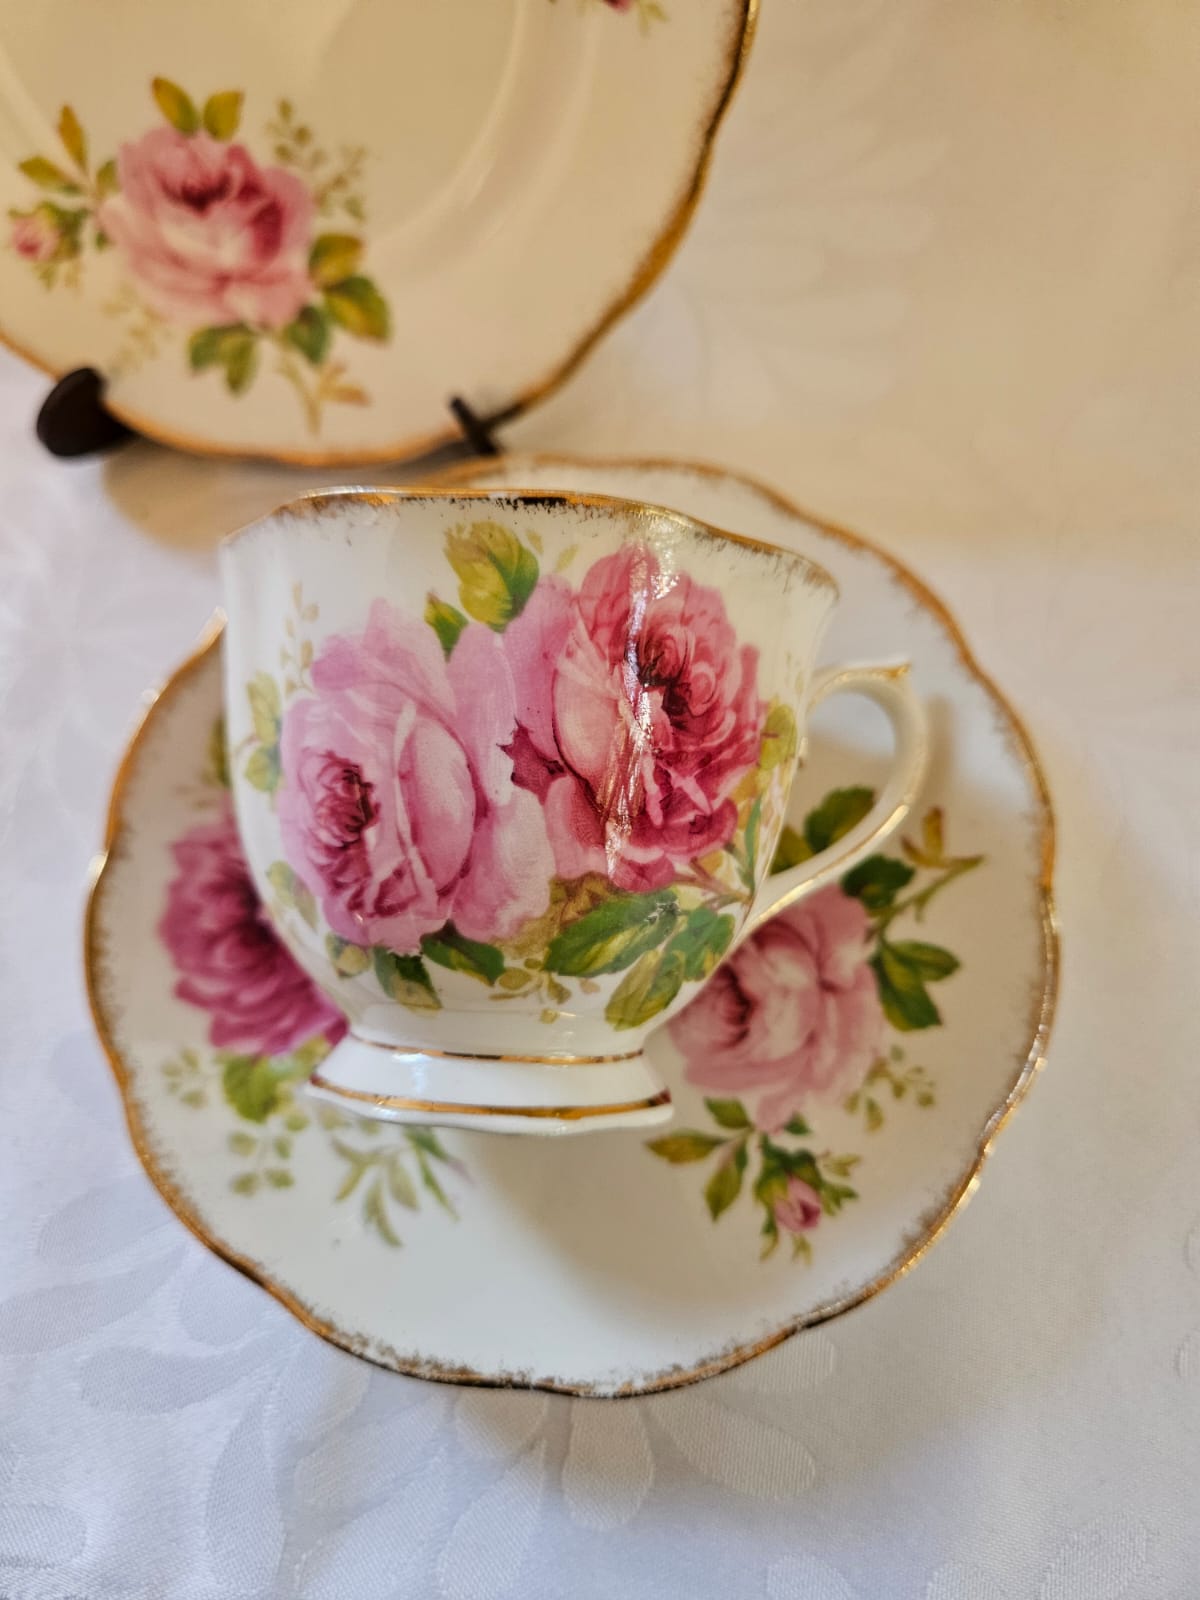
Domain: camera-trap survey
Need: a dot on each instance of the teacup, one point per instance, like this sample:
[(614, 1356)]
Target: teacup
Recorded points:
[(509, 771)]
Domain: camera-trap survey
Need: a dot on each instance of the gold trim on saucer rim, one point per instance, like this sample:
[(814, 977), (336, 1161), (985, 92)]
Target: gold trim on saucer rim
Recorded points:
[(645, 275), (932, 1226), (398, 1102)]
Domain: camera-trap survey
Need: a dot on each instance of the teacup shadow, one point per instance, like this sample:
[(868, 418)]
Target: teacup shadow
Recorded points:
[(192, 502)]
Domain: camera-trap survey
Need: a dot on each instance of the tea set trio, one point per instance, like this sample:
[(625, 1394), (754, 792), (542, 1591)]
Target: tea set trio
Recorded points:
[(525, 802)]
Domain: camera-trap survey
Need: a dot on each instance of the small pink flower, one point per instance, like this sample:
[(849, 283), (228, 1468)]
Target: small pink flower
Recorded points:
[(231, 963), (638, 714), (798, 1209), (397, 805), (793, 1014), (211, 237), (35, 235)]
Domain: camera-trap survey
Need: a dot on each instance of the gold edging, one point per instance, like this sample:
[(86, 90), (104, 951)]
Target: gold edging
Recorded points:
[(932, 1227), (316, 501), (645, 275), (441, 1108), (483, 1055)]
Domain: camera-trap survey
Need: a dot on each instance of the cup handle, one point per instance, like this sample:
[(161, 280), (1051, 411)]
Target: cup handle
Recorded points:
[(890, 689)]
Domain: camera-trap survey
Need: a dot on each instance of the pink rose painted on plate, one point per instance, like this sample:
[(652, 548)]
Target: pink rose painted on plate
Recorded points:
[(209, 235), (229, 959), (237, 251)]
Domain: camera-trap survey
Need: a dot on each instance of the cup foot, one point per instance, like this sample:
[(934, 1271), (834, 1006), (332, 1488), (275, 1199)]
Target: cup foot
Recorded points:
[(541, 1097)]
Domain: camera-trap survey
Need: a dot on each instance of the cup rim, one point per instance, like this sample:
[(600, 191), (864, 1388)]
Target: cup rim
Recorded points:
[(315, 501)]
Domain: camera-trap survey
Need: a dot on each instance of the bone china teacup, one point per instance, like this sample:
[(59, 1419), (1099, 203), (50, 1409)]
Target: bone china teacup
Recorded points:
[(509, 771)]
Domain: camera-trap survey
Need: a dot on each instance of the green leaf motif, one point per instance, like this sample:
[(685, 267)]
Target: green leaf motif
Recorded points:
[(266, 707), (725, 1184), (107, 182), (252, 1085), (241, 363), (930, 960), (405, 979), (780, 742), (614, 934), (701, 942), (729, 1114), (309, 333), (293, 893), (797, 1125), (334, 257), (218, 760), (647, 988), (349, 960), (840, 811), (262, 769), (74, 140), (448, 948), (175, 105), (223, 113), (751, 844), (233, 348), (877, 881), (357, 305), (902, 992), (791, 849), (686, 1145), (496, 572), (445, 620), (47, 176), (400, 1185)]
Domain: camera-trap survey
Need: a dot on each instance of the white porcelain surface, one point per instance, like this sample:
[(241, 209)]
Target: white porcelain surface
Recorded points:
[(353, 212), (594, 1265), (509, 840)]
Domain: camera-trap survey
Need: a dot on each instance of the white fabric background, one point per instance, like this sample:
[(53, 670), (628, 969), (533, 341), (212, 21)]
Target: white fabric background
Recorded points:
[(946, 288)]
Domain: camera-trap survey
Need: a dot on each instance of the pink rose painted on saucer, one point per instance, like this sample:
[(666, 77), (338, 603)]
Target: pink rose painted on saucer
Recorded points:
[(661, 659), (793, 1016), (805, 1019), (209, 236), (229, 960)]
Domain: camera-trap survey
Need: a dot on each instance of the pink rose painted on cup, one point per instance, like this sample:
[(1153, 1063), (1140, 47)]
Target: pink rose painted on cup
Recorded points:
[(210, 236), (231, 963), (638, 714), (397, 806), (794, 1014), (798, 1209)]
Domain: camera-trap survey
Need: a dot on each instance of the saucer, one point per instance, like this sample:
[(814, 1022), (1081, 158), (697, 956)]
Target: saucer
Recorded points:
[(298, 232), (838, 1083)]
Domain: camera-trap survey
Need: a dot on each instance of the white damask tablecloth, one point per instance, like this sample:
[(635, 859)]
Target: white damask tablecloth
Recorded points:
[(946, 288)]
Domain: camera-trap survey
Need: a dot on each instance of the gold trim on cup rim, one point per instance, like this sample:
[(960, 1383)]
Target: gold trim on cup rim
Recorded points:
[(315, 501), (932, 1225), (645, 275)]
